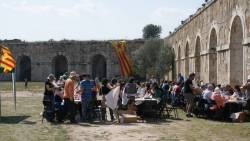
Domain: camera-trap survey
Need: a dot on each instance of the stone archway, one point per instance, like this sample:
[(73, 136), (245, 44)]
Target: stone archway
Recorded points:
[(23, 68), (99, 66), (197, 61), (178, 60), (213, 57), (187, 60), (59, 65), (236, 52)]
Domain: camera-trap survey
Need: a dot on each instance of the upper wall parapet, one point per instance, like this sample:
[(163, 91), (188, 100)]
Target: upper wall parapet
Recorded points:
[(205, 5)]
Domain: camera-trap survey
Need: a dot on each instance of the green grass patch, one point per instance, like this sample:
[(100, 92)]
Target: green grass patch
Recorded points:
[(25, 123), (32, 86), (198, 129)]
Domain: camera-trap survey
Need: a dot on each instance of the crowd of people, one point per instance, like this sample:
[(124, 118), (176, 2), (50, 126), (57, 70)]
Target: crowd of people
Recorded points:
[(78, 94), (214, 98), (74, 94)]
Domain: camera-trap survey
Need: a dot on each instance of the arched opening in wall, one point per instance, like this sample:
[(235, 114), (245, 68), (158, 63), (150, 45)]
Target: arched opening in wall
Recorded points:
[(187, 60), (23, 68), (99, 66), (213, 57), (197, 58), (179, 60), (59, 65), (236, 52)]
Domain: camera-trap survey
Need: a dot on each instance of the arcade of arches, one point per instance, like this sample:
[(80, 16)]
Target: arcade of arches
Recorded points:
[(60, 67), (215, 43), (36, 60)]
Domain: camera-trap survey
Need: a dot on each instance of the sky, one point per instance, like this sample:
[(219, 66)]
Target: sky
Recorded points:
[(42, 20)]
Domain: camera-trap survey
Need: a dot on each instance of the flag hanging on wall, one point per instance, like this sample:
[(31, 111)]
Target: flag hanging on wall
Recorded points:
[(7, 61), (125, 63)]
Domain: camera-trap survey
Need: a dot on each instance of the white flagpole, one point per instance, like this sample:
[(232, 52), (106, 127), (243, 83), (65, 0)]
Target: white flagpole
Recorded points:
[(14, 87)]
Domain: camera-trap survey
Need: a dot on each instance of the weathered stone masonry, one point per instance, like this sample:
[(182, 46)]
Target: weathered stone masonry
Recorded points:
[(215, 42), (35, 60)]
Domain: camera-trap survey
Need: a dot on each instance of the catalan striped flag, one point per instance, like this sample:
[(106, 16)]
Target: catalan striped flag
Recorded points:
[(7, 61), (125, 63)]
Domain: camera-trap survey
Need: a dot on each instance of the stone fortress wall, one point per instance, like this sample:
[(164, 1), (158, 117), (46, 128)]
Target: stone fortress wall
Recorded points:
[(35, 60), (214, 42)]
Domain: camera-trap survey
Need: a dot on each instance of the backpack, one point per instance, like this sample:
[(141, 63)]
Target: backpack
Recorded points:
[(130, 88)]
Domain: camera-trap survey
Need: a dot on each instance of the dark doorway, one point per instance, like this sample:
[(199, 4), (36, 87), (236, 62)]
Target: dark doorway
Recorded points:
[(187, 60), (60, 65), (197, 58), (213, 57), (236, 52), (24, 68), (99, 67)]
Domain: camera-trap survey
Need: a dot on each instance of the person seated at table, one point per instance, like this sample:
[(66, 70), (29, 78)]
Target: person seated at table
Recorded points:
[(148, 90), (156, 91), (141, 90), (246, 87), (227, 91), (130, 88), (175, 93), (237, 93), (218, 99), (208, 93)]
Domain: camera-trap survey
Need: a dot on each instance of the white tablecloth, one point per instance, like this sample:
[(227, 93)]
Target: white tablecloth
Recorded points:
[(138, 101)]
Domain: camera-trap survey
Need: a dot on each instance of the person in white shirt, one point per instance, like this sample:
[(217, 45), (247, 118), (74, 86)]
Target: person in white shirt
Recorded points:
[(208, 93), (237, 92), (141, 90)]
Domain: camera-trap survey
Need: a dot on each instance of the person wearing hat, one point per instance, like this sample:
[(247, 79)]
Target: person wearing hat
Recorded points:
[(48, 99), (69, 105), (49, 85), (189, 95)]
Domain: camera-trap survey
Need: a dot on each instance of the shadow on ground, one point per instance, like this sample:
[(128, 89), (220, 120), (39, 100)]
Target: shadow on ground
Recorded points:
[(14, 120)]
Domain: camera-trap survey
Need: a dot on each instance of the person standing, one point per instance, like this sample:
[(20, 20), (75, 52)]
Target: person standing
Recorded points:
[(180, 79), (87, 88), (26, 83), (246, 87), (189, 95), (48, 99), (105, 89), (69, 105)]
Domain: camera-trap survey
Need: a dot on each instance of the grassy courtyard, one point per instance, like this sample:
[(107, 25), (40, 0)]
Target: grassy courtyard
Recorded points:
[(25, 124)]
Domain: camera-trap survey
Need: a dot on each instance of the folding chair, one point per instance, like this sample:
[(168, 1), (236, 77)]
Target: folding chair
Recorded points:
[(171, 109), (97, 111)]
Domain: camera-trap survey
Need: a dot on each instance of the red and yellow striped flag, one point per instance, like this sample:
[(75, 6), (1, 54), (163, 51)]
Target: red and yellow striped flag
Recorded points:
[(7, 61), (125, 63)]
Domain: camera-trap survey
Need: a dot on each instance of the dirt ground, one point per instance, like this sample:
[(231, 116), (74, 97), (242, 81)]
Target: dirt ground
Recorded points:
[(183, 129), (157, 131)]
